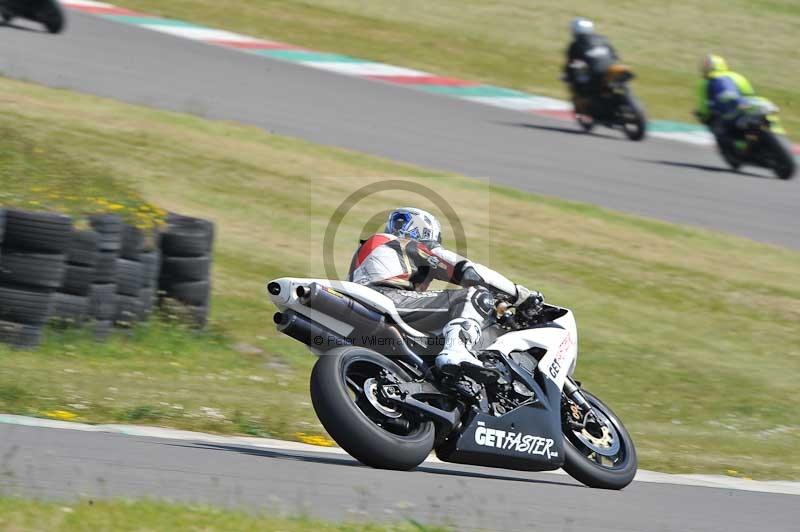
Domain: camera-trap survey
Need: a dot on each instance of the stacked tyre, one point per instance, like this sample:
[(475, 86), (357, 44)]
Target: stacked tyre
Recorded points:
[(186, 265), (71, 304), (103, 298), (137, 270), (32, 267)]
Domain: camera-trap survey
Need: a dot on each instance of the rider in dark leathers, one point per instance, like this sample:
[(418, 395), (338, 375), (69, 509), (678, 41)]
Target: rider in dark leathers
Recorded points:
[(401, 263), (589, 57)]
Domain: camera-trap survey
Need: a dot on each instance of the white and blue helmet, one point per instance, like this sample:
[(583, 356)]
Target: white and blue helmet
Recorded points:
[(581, 26), (408, 222)]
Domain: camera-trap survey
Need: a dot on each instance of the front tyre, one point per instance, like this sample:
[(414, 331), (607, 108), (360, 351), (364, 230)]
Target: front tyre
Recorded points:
[(343, 392), (781, 158), (634, 121), (602, 454)]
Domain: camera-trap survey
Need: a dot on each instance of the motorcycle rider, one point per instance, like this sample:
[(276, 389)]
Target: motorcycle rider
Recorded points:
[(720, 93), (592, 50), (402, 261)]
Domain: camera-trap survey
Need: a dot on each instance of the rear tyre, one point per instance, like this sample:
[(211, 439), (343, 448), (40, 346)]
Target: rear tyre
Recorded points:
[(730, 159), (600, 460), (373, 433), (585, 121), (52, 16)]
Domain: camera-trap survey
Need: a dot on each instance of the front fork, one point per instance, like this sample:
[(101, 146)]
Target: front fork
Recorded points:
[(573, 392)]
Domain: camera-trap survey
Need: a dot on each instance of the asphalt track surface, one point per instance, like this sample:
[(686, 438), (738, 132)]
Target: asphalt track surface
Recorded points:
[(662, 179), (68, 465)]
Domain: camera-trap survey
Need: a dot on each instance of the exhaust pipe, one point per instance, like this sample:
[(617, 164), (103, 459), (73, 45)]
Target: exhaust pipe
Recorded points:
[(365, 320), (308, 331), (343, 307)]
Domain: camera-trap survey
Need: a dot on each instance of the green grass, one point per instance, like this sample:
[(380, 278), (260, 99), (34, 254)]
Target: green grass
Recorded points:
[(36, 177), (520, 43), (690, 335), (20, 515)]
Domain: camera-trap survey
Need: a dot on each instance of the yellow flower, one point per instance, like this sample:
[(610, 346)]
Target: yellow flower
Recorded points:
[(61, 414), (116, 207)]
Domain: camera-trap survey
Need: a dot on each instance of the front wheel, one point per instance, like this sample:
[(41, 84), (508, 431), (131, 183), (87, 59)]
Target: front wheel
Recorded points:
[(781, 158), (600, 454), (634, 121), (344, 392)]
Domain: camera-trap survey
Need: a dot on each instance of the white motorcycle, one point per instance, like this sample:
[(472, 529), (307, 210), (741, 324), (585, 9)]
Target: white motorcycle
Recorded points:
[(375, 389)]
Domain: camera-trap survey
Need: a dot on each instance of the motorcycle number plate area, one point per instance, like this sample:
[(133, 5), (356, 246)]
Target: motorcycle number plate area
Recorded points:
[(528, 438)]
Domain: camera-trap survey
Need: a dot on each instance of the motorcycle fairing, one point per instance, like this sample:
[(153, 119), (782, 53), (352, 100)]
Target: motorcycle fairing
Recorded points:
[(558, 338), (529, 438)]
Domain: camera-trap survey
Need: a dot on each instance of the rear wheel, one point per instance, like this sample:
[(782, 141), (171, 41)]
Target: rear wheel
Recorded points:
[(51, 15), (344, 392), (599, 452), (582, 107), (585, 121), (730, 158)]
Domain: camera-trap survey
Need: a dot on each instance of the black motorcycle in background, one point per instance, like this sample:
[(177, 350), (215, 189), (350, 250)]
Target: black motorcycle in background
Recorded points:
[(756, 137), (46, 12), (608, 101)]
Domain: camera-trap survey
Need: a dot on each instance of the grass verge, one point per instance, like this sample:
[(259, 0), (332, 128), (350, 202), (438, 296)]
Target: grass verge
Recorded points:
[(520, 43), (122, 516), (690, 335)]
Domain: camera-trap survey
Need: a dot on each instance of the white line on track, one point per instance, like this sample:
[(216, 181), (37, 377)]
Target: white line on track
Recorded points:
[(707, 481)]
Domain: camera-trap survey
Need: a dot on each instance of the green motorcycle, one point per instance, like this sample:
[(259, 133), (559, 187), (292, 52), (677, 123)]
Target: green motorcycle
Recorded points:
[(756, 137)]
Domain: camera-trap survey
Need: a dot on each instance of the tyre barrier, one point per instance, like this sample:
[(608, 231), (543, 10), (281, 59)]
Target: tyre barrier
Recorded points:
[(110, 274), (185, 276), (32, 268)]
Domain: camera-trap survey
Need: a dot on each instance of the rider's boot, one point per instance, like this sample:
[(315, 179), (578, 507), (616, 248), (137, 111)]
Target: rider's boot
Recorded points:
[(457, 358)]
